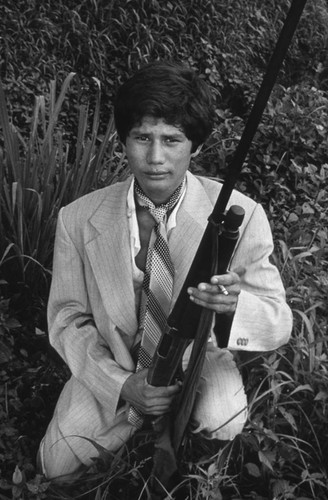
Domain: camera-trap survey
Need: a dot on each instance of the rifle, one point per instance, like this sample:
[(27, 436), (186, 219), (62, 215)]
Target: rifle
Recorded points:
[(188, 322)]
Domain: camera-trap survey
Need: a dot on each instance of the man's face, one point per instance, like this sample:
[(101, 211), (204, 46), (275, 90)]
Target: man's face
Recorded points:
[(159, 156)]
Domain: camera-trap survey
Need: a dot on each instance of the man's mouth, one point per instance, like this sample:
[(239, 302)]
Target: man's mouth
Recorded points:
[(156, 174)]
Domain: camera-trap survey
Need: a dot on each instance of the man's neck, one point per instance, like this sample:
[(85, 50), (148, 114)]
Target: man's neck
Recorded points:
[(146, 222)]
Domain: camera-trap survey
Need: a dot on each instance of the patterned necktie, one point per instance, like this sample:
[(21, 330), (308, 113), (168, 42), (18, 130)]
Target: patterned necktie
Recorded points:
[(157, 285)]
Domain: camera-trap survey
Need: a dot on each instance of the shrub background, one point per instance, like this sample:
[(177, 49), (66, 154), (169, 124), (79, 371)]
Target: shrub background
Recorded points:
[(58, 142), (228, 42)]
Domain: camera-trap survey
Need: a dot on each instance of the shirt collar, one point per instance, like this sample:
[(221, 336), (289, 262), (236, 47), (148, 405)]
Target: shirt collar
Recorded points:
[(132, 214)]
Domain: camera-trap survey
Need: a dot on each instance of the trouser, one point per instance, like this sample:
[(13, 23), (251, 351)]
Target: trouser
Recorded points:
[(220, 411)]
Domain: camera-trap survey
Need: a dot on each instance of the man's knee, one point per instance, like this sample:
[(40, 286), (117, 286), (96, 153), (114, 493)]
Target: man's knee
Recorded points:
[(57, 460), (65, 453), (214, 425), (221, 405)]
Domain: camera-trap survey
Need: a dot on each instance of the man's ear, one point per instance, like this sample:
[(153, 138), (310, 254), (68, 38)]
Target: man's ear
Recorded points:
[(196, 153)]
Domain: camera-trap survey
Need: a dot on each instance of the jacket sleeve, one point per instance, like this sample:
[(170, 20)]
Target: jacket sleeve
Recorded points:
[(262, 320), (72, 329)]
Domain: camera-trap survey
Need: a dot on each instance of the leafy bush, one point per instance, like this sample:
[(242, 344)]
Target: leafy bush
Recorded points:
[(44, 172), (228, 42)]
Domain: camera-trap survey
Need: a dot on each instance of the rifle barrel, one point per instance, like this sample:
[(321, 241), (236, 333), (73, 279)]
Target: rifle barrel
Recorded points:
[(259, 105)]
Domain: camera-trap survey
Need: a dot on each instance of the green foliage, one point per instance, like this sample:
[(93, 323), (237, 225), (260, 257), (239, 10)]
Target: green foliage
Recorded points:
[(45, 171), (292, 135), (229, 43)]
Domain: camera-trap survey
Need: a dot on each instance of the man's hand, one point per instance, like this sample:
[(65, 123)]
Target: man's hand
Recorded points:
[(221, 294), (150, 400)]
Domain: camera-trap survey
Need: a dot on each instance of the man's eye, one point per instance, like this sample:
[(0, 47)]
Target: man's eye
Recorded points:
[(142, 138)]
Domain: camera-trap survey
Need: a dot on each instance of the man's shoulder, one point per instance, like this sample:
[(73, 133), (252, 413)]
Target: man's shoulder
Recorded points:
[(213, 185), (89, 202), (101, 202), (210, 184)]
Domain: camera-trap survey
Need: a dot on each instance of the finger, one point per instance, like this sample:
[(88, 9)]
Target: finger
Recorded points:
[(220, 299), (158, 407), (149, 403), (214, 297), (213, 292), (225, 283), (163, 392), (228, 279), (219, 308), (215, 301), (206, 300)]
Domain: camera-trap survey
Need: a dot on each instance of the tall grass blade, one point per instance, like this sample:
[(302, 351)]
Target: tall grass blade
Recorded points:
[(10, 140), (55, 110)]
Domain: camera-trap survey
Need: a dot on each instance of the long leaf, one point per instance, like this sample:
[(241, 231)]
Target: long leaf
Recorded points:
[(9, 137), (81, 131), (55, 110)]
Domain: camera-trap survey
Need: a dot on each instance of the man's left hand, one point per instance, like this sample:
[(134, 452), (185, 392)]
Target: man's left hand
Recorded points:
[(221, 294)]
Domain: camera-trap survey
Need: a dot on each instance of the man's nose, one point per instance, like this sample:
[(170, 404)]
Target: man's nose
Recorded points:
[(155, 154)]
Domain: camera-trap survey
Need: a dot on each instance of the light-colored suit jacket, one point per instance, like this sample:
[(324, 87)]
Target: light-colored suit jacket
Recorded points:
[(92, 313)]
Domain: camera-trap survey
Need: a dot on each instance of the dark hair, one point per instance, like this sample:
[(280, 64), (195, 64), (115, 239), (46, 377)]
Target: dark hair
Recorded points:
[(170, 91)]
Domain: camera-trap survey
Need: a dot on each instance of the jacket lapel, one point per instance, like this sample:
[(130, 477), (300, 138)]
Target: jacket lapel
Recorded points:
[(109, 255), (109, 248), (191, 223)]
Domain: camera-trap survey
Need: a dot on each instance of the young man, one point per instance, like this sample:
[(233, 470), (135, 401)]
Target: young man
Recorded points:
[(132, 243)]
